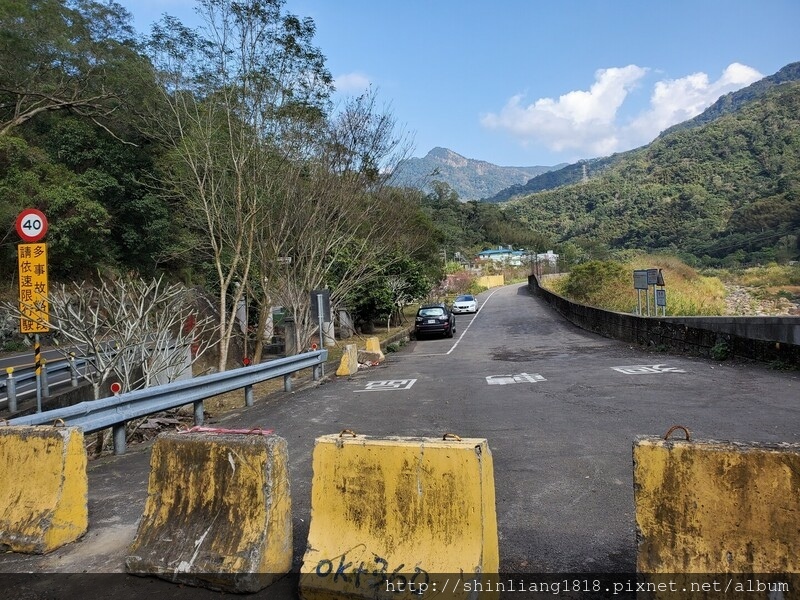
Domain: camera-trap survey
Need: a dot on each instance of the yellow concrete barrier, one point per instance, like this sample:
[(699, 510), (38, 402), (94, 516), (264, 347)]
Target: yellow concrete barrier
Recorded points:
[(373, 350), (349, 363), (392, 517), (490, 281), (218, 512), (717, 507), (43, 488)]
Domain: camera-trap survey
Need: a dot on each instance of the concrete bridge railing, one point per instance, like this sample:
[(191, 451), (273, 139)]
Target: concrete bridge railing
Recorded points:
[(767, 339)]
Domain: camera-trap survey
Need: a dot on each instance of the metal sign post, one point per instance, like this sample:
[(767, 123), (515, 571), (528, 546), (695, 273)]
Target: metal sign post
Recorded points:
[(321, 306), (652, 279), (34, 311), (660, 294)]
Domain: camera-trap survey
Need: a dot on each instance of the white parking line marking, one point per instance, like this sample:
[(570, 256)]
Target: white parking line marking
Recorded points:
[(511, 379), (647, 369), (388, 386)]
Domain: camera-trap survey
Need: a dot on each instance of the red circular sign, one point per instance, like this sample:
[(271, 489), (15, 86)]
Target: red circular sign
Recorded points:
[(116, 387), (31, 225)]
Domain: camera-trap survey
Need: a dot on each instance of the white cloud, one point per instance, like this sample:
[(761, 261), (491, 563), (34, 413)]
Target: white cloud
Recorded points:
[(676, 100), (578, 121), (587, 123), (351, 82)]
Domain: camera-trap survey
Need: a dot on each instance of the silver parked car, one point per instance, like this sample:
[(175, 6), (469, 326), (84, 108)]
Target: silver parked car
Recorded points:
[(465, 304)]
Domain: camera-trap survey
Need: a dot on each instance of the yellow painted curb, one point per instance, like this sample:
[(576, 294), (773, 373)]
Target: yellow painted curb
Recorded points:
[(218, 512), (43, 488), (717, 507), (392, 511)]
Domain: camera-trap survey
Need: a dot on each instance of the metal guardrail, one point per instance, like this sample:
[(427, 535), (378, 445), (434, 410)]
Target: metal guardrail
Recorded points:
[(27, 374), (115, 412)]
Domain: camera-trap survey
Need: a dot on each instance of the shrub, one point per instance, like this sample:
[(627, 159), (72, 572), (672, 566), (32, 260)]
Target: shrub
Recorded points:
[(720, 350)]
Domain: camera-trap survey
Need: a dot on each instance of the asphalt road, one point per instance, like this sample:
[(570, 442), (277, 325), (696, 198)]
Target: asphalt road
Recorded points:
[(560, 408)]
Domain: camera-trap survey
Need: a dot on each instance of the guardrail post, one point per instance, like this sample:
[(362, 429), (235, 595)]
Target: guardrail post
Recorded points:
[(287, 382), (119, 439), (45, 382), (318, 372), (248, 395), (198, 412), (73, 370), (11, 390)]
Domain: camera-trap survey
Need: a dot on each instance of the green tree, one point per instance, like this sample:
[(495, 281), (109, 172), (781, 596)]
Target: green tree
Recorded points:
[(64, 55)]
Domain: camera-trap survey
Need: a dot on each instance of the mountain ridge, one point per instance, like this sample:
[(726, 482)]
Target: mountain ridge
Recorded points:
[(579, 171), (720, 192), (470, 178)]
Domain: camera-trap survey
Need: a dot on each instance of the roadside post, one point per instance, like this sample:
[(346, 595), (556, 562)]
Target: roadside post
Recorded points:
[(11, 390), (33, 305), (321, 304), (652, 280)]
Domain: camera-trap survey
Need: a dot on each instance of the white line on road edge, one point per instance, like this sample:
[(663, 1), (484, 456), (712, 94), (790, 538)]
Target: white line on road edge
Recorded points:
[(463, 333)]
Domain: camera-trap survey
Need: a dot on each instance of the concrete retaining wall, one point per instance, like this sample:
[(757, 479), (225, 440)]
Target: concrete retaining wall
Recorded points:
[(768, 339), (770, 329)]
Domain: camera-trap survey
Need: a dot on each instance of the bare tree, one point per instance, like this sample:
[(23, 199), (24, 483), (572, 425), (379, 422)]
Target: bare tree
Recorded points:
[(399, 288), (135, 330), (332, 221), (234, 91)]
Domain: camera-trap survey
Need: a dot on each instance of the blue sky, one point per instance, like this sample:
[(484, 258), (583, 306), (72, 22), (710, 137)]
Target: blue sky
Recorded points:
[(534, 82)]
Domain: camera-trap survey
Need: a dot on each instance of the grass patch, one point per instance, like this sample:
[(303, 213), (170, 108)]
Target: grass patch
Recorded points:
[(768, 282), (689, 293)]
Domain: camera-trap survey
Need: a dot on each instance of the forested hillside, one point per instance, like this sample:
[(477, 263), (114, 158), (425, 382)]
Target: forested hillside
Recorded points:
[(733, 101), (574, 173), (727, 191)]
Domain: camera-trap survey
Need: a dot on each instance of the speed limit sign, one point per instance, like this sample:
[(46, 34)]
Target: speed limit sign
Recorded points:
[(31, 225)]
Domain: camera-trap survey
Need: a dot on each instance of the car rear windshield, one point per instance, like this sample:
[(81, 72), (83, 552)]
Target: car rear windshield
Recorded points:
[(431, 312)]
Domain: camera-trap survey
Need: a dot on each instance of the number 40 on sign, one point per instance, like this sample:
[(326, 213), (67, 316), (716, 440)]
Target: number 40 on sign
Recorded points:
[(31, 225)]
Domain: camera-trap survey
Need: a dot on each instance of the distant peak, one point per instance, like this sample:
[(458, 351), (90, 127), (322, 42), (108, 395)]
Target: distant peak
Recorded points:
[(448, 156), (439, 151)]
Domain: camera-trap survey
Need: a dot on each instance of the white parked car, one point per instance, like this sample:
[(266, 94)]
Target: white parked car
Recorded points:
[(465, 304)]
